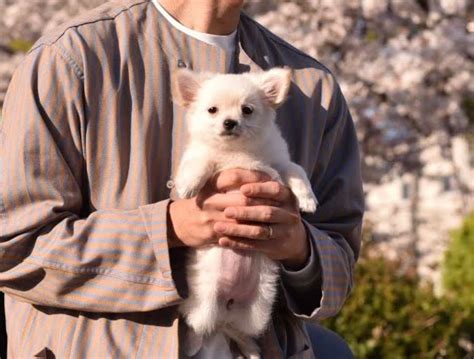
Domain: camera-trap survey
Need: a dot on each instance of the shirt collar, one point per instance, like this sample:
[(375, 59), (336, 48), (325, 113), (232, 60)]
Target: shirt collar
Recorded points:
[(225, 42), (184, 50)]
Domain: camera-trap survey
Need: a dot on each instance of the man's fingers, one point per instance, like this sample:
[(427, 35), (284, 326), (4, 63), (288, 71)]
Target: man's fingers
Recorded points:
[(249, 231), (272, 190), (221, 201), (265, 214), (234, 178), (245, 244)]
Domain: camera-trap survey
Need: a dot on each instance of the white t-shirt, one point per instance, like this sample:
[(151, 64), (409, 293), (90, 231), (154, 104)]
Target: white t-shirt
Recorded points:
[(217, 345), (225, 42)]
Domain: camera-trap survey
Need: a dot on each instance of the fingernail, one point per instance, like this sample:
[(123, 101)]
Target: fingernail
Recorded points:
[(245, 190), (219, 227), (230, 212), (222, 241)]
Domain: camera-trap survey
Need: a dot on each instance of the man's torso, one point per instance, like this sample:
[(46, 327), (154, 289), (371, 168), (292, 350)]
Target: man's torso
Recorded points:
[(131, 139)]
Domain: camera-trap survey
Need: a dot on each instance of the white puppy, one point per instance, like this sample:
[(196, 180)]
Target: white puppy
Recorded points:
[(231, 123)]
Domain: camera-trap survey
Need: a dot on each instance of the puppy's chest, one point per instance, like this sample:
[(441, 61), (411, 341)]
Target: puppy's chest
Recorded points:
[(239, 160)]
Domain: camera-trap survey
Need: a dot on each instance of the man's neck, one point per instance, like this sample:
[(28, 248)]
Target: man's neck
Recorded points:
[(218, 17)]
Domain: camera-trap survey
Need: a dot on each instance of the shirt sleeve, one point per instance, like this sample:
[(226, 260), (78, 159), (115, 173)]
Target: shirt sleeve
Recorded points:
[(51, 253), (320, 289), (302, 287)]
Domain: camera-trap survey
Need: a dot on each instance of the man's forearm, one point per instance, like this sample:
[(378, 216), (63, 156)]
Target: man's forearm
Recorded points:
[(319, 289)]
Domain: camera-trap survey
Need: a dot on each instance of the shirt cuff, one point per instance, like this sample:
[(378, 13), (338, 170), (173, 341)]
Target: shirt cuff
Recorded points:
[(303, 287), (306, 276), (155, 217)]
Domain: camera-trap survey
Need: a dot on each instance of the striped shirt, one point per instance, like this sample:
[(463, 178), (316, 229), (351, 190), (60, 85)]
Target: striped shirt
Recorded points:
[(88, 147)]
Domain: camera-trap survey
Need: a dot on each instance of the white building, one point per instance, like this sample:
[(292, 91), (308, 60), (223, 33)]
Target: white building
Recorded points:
[(444, 190)]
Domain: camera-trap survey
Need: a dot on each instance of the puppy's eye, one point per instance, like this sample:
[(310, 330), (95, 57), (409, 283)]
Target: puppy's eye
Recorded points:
[(212, 110), (247, 110)]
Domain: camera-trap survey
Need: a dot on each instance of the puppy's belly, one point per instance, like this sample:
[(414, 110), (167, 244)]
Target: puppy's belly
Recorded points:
[(239, 276)]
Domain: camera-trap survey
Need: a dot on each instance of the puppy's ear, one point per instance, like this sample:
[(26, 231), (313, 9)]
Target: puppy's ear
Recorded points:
[(185, 85), (275, 84)]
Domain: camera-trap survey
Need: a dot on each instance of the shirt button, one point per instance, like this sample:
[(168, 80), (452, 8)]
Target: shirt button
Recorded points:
[(170, 184), (181, 64)]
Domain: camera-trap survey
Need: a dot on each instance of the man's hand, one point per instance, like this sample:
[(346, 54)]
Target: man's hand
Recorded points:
[(193, 220), (246, 227), (235, 209)]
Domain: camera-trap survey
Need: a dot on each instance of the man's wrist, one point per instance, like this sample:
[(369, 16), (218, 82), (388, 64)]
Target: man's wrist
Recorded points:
[(173, 239), (301, 258)]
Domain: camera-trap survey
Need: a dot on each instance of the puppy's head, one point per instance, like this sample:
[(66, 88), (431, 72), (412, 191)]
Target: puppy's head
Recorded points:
[(231, 108)]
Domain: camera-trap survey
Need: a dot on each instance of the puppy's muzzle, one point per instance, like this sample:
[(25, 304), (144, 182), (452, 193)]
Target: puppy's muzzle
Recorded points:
[(230, 127)]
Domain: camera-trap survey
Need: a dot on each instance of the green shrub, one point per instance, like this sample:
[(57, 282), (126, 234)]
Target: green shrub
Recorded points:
[(458, 273), (389, 315), (20, 45)]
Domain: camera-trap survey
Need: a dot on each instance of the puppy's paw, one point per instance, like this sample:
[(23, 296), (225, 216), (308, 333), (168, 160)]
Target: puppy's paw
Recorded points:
[(307, 201), (250, 355), (308, 204), (301, 188), (186, 192), (248, 347), (188, 188), (202, 320)]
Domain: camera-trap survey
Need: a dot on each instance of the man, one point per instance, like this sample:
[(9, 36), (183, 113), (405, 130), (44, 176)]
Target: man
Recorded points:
[(92, 241)]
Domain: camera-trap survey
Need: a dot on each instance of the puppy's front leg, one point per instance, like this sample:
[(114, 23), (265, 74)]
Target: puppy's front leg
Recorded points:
[(193, 173), (295, 177), (259, 166)]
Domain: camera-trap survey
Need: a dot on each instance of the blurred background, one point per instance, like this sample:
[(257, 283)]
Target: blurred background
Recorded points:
[(406, 68)]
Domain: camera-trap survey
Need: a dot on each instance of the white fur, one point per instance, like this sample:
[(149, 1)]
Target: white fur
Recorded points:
[(257, 145)]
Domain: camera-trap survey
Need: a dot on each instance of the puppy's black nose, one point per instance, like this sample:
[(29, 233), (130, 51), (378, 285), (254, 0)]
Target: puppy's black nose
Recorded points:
[(230, 124)]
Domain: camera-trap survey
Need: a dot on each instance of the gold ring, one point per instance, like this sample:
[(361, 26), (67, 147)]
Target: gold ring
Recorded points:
[(269, 231)]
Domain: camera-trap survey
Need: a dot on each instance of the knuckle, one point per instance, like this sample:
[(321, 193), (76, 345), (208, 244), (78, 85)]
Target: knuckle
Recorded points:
[(245, 201), (214, 180), (232, 230), (225, 179), (285, 246), (287, 233), (242, 214), (259, 232), (241, 245), (207, 203), (250, 189), (260, 176), (233, 177), (251, 201), (276, 188), (229, 243), (208, 234), (236, 245), (267, 214), (206, 218), (295, 218), (211, 234)]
